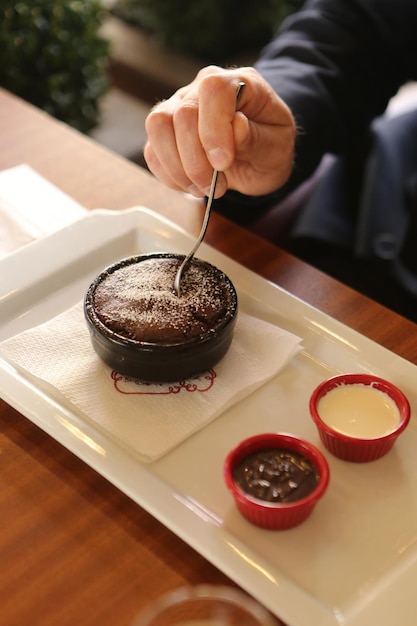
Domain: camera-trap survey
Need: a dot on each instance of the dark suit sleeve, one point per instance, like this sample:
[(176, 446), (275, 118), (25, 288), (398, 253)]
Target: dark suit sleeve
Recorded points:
[(336, 63)]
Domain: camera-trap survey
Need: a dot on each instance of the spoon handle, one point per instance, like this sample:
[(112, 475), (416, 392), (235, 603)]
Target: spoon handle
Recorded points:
[(187, 259), (206, 217)]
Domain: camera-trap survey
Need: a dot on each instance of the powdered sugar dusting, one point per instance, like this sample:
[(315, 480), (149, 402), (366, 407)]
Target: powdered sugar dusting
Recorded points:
[(138, 301)]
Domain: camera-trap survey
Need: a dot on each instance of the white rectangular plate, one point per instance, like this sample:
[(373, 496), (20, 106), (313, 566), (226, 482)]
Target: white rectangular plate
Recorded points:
[(354, 561)]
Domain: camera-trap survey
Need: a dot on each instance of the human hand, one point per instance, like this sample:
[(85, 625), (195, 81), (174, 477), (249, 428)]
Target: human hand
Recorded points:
[(198, 129)]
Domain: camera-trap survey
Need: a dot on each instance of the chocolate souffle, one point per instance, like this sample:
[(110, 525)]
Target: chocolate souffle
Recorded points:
[(141, 328)]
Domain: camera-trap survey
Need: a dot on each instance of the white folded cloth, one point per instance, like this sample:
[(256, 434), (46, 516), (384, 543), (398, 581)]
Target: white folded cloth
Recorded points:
[(150, 419), (31, 207)]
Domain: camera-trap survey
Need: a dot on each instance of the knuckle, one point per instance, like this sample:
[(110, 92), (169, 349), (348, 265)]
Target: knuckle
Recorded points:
[(156, 120), (208, 70), (186, 112)]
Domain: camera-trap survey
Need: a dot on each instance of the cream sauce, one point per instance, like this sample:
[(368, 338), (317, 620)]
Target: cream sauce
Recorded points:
[(359, 411)]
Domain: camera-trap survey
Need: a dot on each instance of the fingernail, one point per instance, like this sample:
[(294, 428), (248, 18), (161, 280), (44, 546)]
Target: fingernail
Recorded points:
[(218, 158)]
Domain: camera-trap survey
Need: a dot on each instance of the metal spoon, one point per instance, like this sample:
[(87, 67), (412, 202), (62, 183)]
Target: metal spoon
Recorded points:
[(187, 259)]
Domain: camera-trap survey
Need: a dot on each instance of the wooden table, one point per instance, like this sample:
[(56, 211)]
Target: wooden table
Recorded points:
[(74, 549)]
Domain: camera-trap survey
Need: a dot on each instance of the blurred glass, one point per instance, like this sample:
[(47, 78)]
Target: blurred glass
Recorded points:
[(205, 605)]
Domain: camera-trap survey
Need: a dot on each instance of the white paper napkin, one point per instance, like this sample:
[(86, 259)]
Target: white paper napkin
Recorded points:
[(151, 419), (31, 207)]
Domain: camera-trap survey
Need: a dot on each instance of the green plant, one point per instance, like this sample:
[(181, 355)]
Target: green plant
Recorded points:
[(51, 54), (211, 29)]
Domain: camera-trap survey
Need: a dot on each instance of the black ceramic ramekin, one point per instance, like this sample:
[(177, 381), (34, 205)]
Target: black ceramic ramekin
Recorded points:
[(161, 361)]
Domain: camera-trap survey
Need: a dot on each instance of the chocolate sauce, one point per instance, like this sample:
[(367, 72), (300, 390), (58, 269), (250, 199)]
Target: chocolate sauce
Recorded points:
[(276, 475)]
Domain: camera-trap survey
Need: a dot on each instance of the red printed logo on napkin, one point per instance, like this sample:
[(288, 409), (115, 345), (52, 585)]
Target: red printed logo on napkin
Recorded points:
[(128, 385)]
